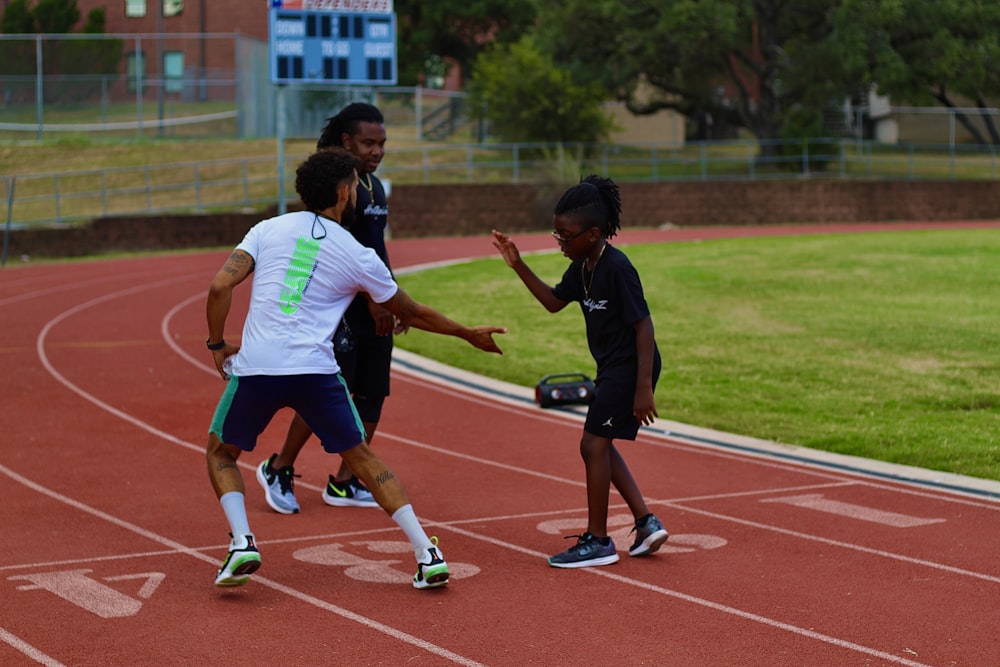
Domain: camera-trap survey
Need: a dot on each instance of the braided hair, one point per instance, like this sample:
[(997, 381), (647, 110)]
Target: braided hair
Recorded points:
[(596, 201), (347, 122)]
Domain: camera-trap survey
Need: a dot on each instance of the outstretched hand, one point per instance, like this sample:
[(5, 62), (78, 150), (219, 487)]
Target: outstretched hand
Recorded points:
[(507, 248), (482, 338)]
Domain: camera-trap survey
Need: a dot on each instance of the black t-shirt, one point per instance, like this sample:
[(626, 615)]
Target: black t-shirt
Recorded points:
[(370, 220), (612, 303)]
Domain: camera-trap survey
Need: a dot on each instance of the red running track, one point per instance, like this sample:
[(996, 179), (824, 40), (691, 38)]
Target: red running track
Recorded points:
[(112, 535)]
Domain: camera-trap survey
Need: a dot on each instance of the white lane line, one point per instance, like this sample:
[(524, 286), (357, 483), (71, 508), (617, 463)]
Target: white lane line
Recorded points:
[(34, 295), (365, 621), (675, 441), (680, 505), (499, 396), (701, 602), (835, 543), (820, 503), (173, 345), (432, 648), (340, 611), (43, 357), (347, 614), (27, 649), (368, 532)]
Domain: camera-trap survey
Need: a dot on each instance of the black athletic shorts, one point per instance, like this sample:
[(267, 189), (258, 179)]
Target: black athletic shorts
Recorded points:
[(366, 370), (610, 412)]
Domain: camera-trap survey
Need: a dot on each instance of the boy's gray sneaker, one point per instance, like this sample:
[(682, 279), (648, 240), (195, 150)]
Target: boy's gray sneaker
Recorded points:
[(587, 552), (649, 536)]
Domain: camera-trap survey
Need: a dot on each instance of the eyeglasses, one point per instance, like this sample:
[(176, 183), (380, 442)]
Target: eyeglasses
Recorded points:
[(562, 240)]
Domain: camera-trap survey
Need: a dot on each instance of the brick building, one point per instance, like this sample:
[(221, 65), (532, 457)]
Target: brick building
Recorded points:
[(183, 41), (247, 17)]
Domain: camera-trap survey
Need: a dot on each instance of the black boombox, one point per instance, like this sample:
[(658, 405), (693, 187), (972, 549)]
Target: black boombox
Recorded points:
[(564, 389)]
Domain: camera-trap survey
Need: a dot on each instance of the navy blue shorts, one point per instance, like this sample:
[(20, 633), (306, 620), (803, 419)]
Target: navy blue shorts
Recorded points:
[(249, 403), (610, 412)]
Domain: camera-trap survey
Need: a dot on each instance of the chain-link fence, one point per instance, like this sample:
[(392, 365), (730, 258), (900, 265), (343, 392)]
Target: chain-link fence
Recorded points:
[(217, 85), (191, 86), (119, 86), (201, 85)]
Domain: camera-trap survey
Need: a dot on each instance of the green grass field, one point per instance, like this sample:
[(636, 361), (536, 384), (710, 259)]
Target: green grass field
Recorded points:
[(881, 345), (877, 345)]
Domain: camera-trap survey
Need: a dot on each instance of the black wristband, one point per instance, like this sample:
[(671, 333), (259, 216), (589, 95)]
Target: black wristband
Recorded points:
[(215, 346)]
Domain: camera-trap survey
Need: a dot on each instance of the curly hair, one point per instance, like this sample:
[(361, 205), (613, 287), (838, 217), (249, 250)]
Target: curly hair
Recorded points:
[(595, 200), (346, 122), (319, 176)]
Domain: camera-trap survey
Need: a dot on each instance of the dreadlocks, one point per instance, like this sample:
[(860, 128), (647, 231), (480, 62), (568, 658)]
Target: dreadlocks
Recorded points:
[(346, 122), (596, 201)]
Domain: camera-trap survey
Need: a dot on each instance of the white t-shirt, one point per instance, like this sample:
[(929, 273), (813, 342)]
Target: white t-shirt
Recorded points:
[(301, 287)]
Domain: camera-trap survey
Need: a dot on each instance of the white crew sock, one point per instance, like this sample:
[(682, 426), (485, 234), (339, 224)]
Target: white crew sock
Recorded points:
[(234, 506), (407, 520)]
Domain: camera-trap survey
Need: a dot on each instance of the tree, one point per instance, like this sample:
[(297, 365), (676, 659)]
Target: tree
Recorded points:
[(455, 29), (17, 57), (61, 58), (943, 52), (742, 63), (527, 98), (55, 16), (17, 18)]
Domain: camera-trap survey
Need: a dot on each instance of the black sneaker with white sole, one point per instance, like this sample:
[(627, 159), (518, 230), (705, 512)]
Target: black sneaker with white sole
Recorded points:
[(588, 551), (649, 536)]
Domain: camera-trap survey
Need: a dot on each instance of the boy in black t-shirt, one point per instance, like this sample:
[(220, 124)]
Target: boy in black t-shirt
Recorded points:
[(620, 337)]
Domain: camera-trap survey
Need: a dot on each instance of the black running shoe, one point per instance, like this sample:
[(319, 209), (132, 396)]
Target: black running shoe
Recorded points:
[(588, 551), (649, 536)]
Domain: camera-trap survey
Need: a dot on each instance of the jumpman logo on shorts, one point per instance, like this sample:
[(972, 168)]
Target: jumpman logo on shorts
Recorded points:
[(608, 423)]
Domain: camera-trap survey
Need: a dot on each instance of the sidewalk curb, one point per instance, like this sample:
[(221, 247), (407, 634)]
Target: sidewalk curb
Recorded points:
[(497, 390)]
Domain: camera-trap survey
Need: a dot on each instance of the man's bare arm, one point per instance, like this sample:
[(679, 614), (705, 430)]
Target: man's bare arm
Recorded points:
[(420, 316), (238, 266)]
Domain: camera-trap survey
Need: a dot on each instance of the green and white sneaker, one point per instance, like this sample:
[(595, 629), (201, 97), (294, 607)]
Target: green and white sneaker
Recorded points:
[(242, 560), (432, 571)]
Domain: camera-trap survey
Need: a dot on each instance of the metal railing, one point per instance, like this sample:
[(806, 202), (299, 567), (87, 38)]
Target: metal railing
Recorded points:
[(253, 182), (194, 187)]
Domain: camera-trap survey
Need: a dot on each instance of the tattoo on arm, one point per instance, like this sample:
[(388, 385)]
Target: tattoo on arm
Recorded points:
[(239, 263)]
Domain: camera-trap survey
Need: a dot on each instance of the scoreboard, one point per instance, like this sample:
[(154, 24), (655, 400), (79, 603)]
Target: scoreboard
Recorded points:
[(333, 41)]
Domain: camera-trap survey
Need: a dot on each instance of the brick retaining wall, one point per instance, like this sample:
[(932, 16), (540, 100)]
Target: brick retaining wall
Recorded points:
[(459, 210)]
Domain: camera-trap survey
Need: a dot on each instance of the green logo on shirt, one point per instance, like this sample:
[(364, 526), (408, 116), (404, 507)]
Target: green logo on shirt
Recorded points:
[(299, 274)]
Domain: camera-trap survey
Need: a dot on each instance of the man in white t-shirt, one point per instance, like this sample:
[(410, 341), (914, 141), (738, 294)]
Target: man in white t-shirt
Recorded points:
[(306, 270)]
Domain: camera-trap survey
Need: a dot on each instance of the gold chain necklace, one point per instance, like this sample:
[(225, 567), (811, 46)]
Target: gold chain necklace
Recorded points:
[(367, 186), (583, 275)]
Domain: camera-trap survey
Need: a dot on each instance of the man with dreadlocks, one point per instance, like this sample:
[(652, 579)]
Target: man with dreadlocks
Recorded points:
[(363, 343), (620, 337)]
